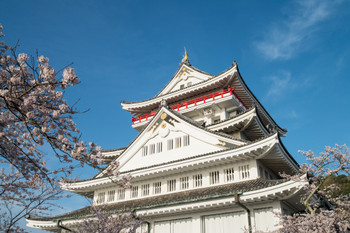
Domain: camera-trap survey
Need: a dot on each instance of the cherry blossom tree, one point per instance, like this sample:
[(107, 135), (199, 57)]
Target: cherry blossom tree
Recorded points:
[(34, 116), (109, 221), (20, 197), (325, 212)]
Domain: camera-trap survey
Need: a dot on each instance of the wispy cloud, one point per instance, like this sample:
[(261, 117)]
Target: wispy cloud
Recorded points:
[(293, 114), (280, 84), (283, 83), (283, 40)]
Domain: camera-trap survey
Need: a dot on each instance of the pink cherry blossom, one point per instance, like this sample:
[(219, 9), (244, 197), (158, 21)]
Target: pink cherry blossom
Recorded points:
[(22, 58), (319, 217), (34, 113)]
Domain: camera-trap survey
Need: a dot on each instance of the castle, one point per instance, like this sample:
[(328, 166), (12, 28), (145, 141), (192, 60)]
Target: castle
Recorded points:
[(207, 159)]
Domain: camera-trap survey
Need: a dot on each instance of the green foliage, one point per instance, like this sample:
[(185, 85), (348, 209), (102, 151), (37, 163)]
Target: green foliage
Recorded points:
[(342, 181)]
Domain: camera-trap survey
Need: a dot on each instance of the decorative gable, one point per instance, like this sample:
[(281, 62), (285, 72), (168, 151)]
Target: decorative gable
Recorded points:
[(168, 137), (185, 76)]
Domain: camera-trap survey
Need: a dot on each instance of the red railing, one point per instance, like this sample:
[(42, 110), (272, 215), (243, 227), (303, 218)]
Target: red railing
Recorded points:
[(189, 102)]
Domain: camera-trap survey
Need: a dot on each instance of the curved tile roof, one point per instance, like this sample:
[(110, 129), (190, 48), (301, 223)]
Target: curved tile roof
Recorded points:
[(184, 159), (170, 199), (180, 90), (182, 63)]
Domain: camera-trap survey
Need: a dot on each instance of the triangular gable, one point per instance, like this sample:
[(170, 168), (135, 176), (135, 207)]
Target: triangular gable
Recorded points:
[(169, 126), (185, 76)]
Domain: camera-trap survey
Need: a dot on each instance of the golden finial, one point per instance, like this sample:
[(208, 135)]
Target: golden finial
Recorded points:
[(185, 57)]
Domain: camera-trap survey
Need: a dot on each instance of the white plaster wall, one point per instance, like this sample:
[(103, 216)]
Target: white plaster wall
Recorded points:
[(197, 218), (200, 145), (272, 219), (205, 179)]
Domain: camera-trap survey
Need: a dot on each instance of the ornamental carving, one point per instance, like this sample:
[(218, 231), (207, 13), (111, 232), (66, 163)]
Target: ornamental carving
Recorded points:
[(208, 112)]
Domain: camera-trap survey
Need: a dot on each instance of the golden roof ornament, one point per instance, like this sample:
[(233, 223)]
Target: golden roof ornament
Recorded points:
[(185, 58)]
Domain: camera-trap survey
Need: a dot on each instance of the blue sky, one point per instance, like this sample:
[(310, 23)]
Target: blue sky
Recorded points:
[(294, 56)]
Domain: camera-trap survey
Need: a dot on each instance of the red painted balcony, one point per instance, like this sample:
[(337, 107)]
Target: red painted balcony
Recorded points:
[(193, 102)]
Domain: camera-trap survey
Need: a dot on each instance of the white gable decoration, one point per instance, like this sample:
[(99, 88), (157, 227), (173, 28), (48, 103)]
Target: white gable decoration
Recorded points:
[(185, 76), (169, 137)]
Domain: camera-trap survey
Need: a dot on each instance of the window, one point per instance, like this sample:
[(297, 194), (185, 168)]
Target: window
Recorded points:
[(171, 185), (244, 172), (111, 195), (197, 180), (214, 177), (157, 187), (170, 144), (184, 183), (121, 194), (189, 84), (182, 86), (145, 189), (159, 147), (144, 151), (229, 174), (152, 149), (134, 191), (186, 139), (100, 198), (178, 142)]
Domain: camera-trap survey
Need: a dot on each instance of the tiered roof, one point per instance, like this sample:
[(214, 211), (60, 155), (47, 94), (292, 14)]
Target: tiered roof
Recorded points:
[(175, 198), (269, 149), (230, 77), (261, 142), (184, 201)]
